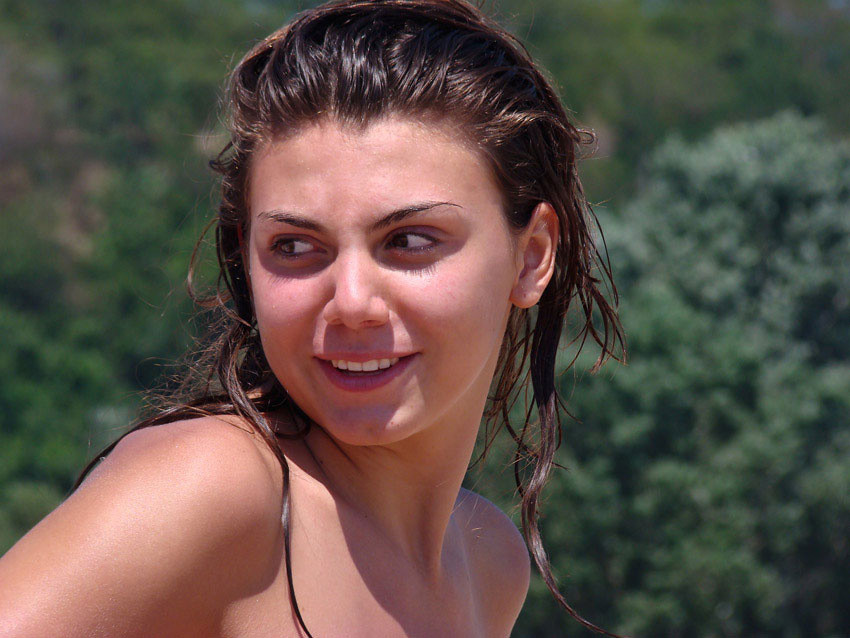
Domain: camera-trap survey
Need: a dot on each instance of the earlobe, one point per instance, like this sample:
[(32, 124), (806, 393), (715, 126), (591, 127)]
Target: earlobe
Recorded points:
[(536, 251)]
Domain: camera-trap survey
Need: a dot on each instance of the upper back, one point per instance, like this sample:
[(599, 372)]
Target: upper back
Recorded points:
[(178, 532), (177, 521)]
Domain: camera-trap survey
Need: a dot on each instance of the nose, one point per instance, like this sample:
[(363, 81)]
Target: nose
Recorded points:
[(357, 301)]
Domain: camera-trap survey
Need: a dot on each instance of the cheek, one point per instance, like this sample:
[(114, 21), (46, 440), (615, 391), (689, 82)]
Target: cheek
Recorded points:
[(284, 309), (468, 304), (274, 304)]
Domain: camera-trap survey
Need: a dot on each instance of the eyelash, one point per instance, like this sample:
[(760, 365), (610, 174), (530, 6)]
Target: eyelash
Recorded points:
[(418, 250), (277, 247)]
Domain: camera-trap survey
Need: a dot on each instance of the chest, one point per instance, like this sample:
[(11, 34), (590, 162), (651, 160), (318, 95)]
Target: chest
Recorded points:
[(357, 587)]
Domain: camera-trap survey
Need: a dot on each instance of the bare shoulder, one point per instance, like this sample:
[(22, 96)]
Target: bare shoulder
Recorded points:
[(211, 480), (498, 552), (214, 473), (215, 458), (175, 522)]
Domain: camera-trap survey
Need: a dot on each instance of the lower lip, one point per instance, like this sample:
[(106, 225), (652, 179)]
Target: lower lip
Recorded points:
[(368, 381)]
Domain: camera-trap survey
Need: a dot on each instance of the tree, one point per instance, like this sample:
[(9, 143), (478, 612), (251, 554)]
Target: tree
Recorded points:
[(106, 110), (707, 492)]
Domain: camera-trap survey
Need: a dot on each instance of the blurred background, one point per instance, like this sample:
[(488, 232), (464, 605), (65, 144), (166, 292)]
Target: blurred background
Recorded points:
[(707, 489)]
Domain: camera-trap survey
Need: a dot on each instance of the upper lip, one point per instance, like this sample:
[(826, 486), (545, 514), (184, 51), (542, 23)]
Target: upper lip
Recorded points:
[(361, 357)]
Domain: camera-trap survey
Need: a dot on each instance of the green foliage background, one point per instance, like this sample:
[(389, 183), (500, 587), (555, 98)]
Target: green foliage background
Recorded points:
[(708, 483)]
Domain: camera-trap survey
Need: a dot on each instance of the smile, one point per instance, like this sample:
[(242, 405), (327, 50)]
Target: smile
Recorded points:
[(363, 376), (365, 366)]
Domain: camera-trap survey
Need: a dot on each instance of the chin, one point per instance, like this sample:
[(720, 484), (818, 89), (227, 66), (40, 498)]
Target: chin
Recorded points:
[(367, 426)]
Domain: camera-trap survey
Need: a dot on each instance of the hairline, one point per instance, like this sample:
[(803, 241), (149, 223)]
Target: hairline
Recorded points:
[(428, 119)]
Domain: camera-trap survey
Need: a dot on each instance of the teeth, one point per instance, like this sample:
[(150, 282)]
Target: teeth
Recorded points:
[(366, 366)]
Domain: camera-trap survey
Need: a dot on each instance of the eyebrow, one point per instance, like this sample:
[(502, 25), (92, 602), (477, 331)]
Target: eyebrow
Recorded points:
[(293, 219)]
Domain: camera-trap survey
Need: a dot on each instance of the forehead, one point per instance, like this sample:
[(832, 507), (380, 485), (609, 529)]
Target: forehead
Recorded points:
[(326, 168)]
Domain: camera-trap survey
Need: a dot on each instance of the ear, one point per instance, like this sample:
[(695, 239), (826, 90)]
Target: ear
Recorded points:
[(535, 252)]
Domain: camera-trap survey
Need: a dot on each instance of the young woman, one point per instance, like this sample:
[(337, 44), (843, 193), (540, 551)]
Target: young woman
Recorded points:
[(401, 231)]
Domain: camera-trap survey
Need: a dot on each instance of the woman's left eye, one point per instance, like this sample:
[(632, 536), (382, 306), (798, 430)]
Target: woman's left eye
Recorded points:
[(412, 242)]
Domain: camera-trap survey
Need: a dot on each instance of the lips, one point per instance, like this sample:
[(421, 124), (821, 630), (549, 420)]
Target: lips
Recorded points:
[(364, 366), (352, 381)]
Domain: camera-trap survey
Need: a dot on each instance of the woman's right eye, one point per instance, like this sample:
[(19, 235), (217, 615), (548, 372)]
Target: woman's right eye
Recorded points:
[(291, 247)]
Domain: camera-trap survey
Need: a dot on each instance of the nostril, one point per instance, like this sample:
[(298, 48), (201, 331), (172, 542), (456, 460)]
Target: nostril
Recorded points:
[(356, 305)]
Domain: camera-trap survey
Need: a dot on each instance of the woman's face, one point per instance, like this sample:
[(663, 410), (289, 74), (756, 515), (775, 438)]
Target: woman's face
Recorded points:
[(385, 246)]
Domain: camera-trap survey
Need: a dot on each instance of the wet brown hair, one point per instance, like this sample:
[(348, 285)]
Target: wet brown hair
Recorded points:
[(356, 61)]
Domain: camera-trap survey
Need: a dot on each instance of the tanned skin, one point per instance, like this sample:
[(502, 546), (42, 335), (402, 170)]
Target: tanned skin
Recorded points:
[(178, 531)]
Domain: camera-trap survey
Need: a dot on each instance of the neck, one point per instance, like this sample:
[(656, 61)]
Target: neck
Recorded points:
[(406, 490)]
